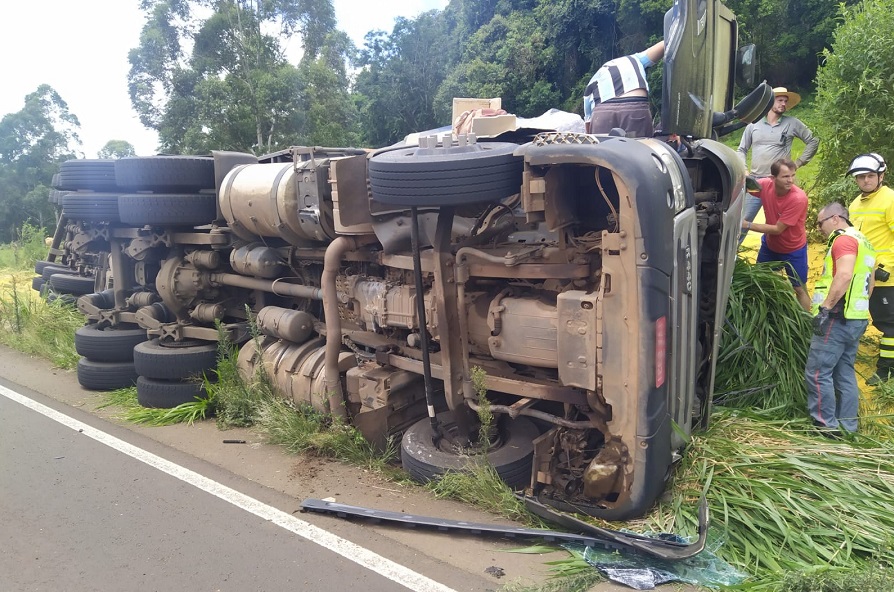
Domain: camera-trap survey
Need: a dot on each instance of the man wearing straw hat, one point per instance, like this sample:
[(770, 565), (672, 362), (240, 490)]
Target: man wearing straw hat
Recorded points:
[(770, 139)]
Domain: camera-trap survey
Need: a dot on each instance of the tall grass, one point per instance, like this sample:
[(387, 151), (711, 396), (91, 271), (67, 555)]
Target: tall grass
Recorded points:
[(784, 500), (131, 410), (31, 325), (764, 346), (28, 248)]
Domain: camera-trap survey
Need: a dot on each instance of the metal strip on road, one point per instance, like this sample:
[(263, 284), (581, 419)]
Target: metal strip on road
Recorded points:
[(360, 555)]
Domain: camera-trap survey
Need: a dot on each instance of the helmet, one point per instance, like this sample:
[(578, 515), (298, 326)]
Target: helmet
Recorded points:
[(867, 163)]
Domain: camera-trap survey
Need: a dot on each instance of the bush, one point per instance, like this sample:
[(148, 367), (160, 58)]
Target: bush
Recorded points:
[(22, 253), (853, 94)]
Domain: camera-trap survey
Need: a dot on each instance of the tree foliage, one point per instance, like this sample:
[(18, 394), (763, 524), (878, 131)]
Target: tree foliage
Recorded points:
[(401, 74), (116, 149), (790, 36), (854, 97), (33, 142), (214, 74)]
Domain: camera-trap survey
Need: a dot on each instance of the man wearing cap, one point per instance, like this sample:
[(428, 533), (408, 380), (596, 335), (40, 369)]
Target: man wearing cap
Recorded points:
[(770, 139), (785, 235), (618, 95), (872, 213), (841, 306)]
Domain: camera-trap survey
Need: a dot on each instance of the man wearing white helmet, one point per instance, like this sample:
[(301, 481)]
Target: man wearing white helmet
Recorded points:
[(770, 139), (872, 213)]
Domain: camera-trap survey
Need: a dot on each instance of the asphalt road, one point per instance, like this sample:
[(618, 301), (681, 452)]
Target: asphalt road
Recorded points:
[(82, 510), (121, 507)]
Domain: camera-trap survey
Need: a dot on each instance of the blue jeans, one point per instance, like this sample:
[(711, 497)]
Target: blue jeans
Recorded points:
[(749, 211), (830, 372)]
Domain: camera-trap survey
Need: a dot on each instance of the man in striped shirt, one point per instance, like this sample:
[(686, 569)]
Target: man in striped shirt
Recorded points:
[(618, 95)]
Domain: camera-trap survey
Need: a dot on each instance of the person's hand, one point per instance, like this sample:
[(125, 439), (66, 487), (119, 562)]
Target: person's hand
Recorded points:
[(820, 321)]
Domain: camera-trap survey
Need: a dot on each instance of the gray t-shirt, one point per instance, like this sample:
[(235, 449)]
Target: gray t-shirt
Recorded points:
[(769, 143)]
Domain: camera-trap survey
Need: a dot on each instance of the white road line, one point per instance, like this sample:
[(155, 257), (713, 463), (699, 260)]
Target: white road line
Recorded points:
[(353, 552)]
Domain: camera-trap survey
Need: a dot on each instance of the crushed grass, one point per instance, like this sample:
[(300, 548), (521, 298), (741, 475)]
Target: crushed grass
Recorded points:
[(301, 429), (764, 345), (479, 485), (131, 411), (783, 499)]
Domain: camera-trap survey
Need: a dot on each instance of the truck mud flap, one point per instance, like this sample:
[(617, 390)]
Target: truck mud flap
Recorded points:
[(591, 536)]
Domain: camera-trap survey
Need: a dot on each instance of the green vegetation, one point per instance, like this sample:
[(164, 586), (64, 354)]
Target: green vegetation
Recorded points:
[(30, 324), (854, 102), (237, 400), (784, 499), (479, 485), (764, 347), (133, 412), (23, 252), (874, 578), (33, 142), (251, 402)]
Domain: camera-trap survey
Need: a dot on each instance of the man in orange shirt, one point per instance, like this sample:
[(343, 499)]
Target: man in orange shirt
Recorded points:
[(785, 235)]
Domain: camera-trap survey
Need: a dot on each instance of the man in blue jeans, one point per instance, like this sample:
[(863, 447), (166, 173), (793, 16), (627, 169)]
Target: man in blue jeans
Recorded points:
[(841, 306), (770, 139)]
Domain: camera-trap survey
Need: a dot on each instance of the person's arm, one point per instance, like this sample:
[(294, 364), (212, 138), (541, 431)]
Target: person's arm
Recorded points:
[(745, 145), (771, 229), (656, 52), (811, 143), (844, 271)]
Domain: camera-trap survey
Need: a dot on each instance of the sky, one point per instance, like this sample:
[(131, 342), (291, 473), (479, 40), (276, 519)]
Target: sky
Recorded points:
[(79, 47)]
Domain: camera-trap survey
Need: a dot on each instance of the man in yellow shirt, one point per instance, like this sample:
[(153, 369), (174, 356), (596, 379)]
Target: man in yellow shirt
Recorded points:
[(872, 213)]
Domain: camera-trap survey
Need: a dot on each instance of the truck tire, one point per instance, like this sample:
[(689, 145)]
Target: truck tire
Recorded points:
[(165, 174), (164, 394), (167, 209), (154, 360), (57, 197), (52, 269), (112, 344), (446, 176), (71, 284), (93, 174), (512, 460), (37, 283), (91, 207), (39, 265), (105, 376)]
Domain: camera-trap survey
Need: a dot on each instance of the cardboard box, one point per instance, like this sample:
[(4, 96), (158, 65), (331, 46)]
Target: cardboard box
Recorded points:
[(494, 125)]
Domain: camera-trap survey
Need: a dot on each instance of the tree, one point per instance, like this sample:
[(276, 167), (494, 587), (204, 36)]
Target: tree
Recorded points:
[(235, 89), (509, 58), (33, 142), (854, 100), (401, 74), (790, 36), (116, 149)]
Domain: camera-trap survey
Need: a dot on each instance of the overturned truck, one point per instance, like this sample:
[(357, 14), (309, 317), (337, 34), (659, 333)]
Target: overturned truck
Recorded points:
[(577, 282)]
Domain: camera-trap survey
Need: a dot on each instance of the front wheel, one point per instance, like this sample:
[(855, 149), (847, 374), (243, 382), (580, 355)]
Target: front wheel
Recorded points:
[(511, 455)]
